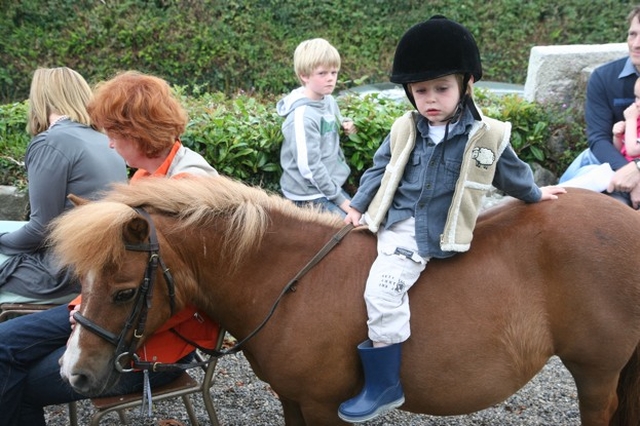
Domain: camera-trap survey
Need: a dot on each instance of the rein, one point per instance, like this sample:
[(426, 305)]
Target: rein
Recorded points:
[(145, 294)]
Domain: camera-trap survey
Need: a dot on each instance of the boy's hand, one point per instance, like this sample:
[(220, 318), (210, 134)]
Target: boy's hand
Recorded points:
[(550, 192), (348, 127), (353, 217)]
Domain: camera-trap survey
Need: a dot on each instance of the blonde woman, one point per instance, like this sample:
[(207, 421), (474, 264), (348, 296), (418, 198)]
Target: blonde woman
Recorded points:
[(66, 156)]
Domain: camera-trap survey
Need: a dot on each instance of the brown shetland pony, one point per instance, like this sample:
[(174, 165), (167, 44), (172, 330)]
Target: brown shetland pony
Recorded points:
[(554, 278)]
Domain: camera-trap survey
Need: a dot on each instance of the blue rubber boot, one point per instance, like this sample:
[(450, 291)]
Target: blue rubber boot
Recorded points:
[(382, 389)]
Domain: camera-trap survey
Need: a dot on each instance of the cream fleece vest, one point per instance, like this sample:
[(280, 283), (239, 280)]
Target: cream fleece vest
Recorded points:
[(487, 140)]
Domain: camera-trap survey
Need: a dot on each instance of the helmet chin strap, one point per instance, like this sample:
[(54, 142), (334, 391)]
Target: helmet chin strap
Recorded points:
[(456, 114), (465, 100)]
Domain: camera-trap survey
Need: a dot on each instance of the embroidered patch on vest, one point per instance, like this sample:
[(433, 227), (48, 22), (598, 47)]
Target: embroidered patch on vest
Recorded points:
[(484, 157)]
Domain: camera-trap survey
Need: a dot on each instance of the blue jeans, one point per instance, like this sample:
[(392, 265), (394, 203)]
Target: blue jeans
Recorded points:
[(584, 162), (30, 347), (326, 204)]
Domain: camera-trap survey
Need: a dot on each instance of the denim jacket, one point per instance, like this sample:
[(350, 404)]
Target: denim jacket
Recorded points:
[(429, 179)]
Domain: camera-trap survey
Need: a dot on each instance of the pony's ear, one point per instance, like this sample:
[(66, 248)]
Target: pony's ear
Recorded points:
[(136, 231), (77, 201)]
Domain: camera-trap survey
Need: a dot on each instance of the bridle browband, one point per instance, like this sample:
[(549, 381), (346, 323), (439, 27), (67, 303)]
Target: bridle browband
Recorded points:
[(144, 295)]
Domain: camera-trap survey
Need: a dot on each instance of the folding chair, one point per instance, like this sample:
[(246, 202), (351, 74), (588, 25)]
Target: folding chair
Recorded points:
[(183, 386)]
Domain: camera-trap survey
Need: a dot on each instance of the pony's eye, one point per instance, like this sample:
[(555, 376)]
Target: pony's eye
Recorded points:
[(124, 295)]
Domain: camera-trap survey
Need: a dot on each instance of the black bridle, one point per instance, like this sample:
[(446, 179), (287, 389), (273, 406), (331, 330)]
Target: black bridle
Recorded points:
[(125, 350)]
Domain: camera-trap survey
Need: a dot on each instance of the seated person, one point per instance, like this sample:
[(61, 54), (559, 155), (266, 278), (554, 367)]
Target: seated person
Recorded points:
[(147, 137), (66, 156)]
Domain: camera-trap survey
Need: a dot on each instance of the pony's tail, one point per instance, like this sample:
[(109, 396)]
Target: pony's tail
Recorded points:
[(628, 412)]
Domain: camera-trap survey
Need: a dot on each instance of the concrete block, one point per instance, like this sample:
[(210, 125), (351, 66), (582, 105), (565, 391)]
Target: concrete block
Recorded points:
[(14, 205), (554, 72)]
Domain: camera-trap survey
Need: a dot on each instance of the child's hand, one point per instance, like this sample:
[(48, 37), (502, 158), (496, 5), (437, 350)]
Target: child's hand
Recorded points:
[(72, 320), (549, 192), (631, 113), (618, 128), (353, 217), (348, 127)]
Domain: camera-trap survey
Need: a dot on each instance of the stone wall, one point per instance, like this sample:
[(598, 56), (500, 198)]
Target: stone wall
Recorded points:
[(14, 204), (558, 74)]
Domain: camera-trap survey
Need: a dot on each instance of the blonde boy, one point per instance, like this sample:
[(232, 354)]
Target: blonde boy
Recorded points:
[(313, 164)]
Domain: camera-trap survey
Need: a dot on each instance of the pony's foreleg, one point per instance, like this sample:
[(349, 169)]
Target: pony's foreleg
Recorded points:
[(292, 413), (596, 393)]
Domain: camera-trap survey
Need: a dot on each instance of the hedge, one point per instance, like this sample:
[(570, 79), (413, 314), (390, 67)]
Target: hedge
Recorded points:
[(230, 46), (241, 136)]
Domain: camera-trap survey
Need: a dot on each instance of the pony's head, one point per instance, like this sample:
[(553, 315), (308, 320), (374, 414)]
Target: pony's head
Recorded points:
[(120, 270)]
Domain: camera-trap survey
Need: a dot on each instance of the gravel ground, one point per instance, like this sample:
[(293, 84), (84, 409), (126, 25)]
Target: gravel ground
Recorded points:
[(242, 399)]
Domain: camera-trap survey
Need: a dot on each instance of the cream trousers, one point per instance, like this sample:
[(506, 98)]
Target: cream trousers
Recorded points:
[(395, 270)]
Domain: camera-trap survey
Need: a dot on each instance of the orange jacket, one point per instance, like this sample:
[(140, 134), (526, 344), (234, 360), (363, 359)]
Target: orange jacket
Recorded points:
[(164, 345)]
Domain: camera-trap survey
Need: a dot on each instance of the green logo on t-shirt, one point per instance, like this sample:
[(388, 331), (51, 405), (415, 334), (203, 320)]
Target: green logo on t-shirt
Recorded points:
[(327, 126)]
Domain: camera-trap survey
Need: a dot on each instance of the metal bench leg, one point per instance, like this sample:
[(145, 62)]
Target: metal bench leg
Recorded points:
[(192, 414), (73, 414)]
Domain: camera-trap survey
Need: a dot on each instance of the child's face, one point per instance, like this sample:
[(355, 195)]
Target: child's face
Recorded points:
[(437, 99), (321, 82)]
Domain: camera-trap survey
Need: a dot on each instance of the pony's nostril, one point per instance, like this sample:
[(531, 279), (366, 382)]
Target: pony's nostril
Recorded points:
[(82, 383)]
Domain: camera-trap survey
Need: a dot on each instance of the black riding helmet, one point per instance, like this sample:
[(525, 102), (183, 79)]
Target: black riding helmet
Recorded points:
[(435, 48)]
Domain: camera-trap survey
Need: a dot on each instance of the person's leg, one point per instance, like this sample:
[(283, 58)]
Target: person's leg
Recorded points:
[(48, 387), (580, 165), (44, 386), (25, 340), (395, 270), (330, 206), (326, 204), (397, 267)]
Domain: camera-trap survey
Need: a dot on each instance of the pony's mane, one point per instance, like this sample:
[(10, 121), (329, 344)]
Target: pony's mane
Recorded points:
[(91, 234)]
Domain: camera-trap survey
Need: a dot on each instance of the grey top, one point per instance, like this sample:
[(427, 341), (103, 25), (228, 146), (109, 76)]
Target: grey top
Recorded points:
[(313, 164), (69, 158)]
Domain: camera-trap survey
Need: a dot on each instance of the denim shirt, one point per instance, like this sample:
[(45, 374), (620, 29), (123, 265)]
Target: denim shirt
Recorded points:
[(428, 183)]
